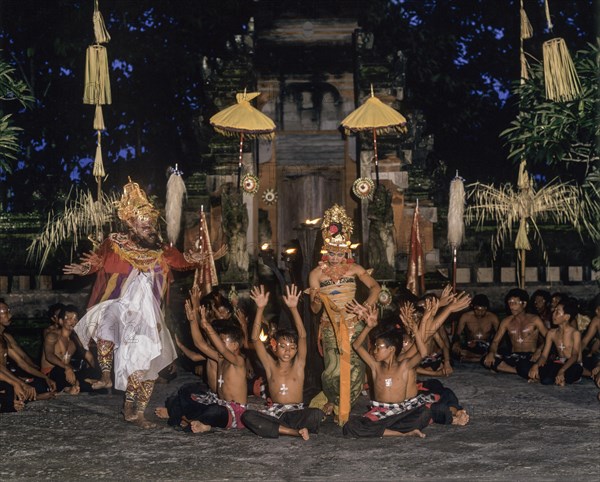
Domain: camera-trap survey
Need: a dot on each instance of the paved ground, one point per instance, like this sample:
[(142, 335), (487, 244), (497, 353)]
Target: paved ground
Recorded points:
[(517, 432)]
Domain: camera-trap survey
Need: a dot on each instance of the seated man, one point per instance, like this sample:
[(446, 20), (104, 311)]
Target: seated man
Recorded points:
[(541, 301), (224, 408), (590, 345), (23, 367), (14, 392), (479, 326), (285, 376), (59, 348), (399, 409), (523, 330), (565, 366)]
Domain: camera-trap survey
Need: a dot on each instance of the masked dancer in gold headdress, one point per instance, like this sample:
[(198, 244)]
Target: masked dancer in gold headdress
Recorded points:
[(332, 286), (126, 311)]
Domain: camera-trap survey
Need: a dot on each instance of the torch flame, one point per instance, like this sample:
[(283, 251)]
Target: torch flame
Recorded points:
[(312, 221), (263, 336), (290, 251), (265, 246)]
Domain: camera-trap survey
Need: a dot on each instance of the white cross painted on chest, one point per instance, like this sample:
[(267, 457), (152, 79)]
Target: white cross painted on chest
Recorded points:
[(388, 382), (561, 347), (283, 390), (221, 381), (479, 336), (520, 340)]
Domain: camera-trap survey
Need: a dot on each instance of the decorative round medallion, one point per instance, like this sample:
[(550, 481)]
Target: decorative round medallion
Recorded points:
[(385, 296), (363, 188), (250, 184), (269, 196)]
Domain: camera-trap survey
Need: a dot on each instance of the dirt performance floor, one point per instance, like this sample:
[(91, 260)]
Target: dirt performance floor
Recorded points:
[(518, 431)]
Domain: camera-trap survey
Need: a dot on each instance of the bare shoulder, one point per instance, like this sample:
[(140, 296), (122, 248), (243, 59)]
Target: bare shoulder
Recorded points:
[(51, 336)]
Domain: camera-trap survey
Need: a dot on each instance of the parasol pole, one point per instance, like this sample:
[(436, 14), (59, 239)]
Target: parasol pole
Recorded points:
[(239, 173), (376, 160)]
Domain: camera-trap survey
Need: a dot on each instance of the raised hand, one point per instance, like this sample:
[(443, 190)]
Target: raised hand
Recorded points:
[(355, 307), (190, 312), (241, 316), (371, 316), (292, 295), (195, 297), (460, 302), (260, 297), (203, 318), (407, 316), (92, 258), (75, 268), (447, 296)]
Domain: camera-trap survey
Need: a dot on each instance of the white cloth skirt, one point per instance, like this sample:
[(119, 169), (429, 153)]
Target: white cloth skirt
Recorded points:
[(132, 323)]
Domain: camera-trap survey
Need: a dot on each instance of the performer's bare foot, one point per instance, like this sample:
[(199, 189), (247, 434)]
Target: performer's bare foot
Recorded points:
[(74, 390), (162, 412), (461, 417), (19, 405), (129, 412), (104, 382), (413, 433), (199, 427), (142, 421), (304, 433)]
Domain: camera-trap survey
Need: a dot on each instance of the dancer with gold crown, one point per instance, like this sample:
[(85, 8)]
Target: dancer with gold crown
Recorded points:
[(332, 287), (126, 312)]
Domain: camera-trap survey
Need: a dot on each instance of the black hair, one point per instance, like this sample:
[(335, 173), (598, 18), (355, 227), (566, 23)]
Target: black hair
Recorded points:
[(480, 300), (234, 332), (569, 307), (391, 338), (215, 300), (54, 308), (67, 308), (516, 293), (287, 335), (544, 294)]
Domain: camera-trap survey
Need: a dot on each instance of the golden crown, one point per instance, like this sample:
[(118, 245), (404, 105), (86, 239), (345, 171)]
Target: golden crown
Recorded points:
[(336, 228), (134, 205)]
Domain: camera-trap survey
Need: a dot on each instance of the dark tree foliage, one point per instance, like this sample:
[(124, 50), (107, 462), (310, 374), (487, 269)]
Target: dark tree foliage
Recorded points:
[(462, 59)]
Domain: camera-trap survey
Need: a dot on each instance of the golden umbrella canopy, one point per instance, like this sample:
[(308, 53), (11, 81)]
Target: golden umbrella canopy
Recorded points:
[(374, 116), (244, 120)]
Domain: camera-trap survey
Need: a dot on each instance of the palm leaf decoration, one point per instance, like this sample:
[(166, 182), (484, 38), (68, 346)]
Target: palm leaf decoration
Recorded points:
[(82, 218), (524, 207)]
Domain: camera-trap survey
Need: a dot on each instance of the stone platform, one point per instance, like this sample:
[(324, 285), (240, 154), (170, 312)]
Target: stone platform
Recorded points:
[(518, 431)]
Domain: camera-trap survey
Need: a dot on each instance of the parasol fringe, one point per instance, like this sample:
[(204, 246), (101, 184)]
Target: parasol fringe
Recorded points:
[(456, 209), (560, 76), (522, 240), (100, 33), (176, 192)]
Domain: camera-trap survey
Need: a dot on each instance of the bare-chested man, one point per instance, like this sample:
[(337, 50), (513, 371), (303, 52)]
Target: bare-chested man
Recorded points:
[(590, 344), (566, 366), (522, 328), (479, 326), (285, 375), (59, 347), (399, 409), (43, 387), (15, 392)]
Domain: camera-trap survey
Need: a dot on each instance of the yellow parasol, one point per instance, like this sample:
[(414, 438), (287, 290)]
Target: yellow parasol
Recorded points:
[(376, 116), (244, 120)]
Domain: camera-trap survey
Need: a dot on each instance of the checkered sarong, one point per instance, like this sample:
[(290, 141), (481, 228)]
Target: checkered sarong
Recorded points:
[(278, 409), (381, 410), (206, 398)]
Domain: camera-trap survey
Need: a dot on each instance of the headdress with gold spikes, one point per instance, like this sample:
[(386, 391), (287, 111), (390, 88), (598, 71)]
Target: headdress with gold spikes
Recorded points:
[(337, 229), (134, 205)]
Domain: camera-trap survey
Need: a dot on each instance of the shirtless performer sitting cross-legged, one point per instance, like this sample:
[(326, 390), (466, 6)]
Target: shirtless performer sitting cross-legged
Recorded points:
[(478, 326), (522, 328)]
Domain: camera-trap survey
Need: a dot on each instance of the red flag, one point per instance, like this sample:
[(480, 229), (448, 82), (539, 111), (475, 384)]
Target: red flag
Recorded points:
[(415, 273), (206, 275)]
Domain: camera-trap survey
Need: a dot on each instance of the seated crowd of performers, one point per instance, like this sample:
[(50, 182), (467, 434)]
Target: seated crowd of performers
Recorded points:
[(259, 385)]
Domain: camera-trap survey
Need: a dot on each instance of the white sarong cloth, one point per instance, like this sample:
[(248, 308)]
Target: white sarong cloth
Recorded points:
[(131, 323)]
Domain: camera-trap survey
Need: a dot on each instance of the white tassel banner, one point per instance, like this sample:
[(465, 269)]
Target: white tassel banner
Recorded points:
[(456, 210), (176, 192)]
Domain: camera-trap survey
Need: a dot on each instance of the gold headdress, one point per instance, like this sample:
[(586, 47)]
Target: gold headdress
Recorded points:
[(134, 205), (337, 229)]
